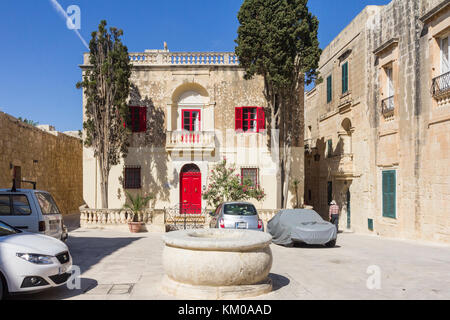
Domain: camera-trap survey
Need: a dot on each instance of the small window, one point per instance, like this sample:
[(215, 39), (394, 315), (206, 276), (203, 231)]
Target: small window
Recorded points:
[(47, 204), (329, 89), (345, 77), (132, 178), (138, 119), (250, 174), (250, 119), (5, 205), (21, 205), (191, 120)]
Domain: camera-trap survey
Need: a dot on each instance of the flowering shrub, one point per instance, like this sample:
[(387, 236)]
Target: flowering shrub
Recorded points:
[(226, 185)]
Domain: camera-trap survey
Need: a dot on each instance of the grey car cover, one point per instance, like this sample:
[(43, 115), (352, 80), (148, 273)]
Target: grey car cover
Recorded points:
[(300, 225)]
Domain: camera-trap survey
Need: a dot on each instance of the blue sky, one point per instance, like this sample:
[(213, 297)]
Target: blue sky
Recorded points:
[(39, 56)]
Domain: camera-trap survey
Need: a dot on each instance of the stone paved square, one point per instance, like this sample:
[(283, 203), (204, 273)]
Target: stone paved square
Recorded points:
[(120, 265)]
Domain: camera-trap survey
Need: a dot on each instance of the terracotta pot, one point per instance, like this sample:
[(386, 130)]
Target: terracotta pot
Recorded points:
[(135, 227)]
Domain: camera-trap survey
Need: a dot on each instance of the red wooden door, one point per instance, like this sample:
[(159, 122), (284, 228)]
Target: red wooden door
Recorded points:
[(191, 193)]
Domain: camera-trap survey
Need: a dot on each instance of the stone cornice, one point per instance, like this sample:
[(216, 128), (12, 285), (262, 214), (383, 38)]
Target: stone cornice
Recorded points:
[(435, 11), (386, 45)]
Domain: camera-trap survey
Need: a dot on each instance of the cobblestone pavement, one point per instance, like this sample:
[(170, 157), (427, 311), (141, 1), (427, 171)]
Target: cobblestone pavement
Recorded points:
[(120, 265)]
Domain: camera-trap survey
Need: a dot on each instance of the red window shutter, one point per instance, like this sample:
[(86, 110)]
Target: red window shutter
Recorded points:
[(238, 118), (143, 119), (261, 119)]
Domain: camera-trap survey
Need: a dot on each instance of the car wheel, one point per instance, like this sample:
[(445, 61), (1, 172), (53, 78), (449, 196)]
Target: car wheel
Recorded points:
[(331, 244)]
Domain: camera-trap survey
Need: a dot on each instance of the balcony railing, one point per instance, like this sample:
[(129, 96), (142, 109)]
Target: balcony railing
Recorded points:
[(387, 106), (441, 85), (186, 140)]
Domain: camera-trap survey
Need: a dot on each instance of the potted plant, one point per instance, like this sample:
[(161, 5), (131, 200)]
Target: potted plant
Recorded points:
[(136, 205)]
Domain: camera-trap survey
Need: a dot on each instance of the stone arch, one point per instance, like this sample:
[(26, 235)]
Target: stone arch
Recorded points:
[(190, 89), (190, 167), (345, 136), (191, 96)]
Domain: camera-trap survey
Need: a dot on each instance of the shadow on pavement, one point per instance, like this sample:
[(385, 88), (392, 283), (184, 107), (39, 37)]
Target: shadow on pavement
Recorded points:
[(86, 252), (314, 246), (278, 281), (59, 293)]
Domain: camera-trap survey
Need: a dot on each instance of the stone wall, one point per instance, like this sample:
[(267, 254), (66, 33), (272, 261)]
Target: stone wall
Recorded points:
[(52, 159), (413, 139)]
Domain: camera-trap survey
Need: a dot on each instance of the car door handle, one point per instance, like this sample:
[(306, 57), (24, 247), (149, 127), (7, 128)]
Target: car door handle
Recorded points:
[(21, 227)]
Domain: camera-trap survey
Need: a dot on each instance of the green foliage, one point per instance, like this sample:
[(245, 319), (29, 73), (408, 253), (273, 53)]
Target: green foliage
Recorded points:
[(137, 204), (278, 40), (30, 122), (106, 87), (226, 185)]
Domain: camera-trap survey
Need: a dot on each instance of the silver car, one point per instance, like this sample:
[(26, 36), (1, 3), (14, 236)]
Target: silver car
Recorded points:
[(236, 215)]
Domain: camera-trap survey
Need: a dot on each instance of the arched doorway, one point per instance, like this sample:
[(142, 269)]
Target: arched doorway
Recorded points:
[(190, 189)]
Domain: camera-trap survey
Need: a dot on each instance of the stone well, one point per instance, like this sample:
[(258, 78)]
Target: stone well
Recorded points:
[(217, 263)]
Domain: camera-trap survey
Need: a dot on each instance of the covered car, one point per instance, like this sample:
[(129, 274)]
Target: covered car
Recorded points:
[(301, 225)]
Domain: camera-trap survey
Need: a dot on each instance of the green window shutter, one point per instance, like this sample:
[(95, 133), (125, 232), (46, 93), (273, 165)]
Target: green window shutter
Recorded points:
[(389, 194), (329, 89), (345, 77)]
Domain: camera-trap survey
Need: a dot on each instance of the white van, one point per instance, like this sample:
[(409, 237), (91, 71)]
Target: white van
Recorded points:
[(32, 211)]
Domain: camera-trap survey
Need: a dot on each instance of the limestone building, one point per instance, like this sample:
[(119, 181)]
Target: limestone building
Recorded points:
[(43, 155), (189, 111), (377, 129)]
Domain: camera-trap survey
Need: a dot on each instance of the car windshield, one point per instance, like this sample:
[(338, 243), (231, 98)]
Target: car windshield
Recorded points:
[(6, 230), (47, 204), (239, 209)]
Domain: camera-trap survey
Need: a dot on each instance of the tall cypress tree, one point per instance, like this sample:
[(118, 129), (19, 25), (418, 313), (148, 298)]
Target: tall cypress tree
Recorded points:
[(277, 39), (106, 87)]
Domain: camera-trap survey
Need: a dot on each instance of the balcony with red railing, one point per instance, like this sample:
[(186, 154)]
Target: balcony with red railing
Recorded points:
[(203, 141)]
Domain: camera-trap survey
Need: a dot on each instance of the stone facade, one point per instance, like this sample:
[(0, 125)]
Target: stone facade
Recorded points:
[(389, 123), (211, 83), (51, 159)]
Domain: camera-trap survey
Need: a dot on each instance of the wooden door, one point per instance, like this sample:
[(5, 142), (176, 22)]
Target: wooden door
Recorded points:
[(191, 193)]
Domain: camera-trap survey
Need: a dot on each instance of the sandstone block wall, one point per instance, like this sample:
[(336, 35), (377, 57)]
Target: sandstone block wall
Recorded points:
[(52, 160)]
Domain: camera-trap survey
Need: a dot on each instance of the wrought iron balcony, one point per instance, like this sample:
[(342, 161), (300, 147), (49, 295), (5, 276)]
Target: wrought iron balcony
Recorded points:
[(387, 106), (202, 141), (441, 85)]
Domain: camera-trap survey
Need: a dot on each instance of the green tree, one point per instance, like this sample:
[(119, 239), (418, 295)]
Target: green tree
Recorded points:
[(106, 88), (226, 185), (277, 39)]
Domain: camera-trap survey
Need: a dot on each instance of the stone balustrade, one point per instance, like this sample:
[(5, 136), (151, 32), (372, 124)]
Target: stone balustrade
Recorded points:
[(101, 218), (184, 58), (155, 218), (183, 140)]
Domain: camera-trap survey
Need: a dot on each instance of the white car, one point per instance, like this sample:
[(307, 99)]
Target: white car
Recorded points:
[(31, 262)]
